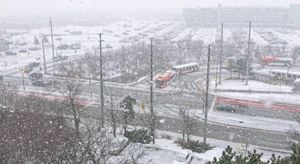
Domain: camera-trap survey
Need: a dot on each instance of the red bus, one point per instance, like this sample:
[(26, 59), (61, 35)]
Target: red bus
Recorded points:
[(162, 80), (277, 61)]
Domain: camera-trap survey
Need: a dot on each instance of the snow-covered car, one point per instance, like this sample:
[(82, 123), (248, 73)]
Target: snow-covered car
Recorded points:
[(51, 83), (63, 47), (33, 48), (184, 157), (39, 83), (35, 76), (23, 51), (10, 53)]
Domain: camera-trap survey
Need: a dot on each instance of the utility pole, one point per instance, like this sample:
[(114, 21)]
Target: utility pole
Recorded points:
[(90, 84), (44, 56), (53, 55), (151, 92), (248, 54), (23, 80), (221, 56), (101, 82), (217, 58), (206, 95)]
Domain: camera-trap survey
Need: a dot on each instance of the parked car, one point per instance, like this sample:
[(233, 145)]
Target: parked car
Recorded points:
[(23, 51), (49, 45), (39, 83), (10, 53), (75, 46), (34, 48), (63, 47), (51, 82), (184, 158), (35, 76), (33, 64), (59, 58), (75, 32)]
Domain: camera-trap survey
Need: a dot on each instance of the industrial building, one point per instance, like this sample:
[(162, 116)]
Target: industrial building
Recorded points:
[(262, 17)]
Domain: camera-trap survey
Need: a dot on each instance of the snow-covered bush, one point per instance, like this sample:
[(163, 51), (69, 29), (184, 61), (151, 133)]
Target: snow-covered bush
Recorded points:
[(195, 146), (140, 135)]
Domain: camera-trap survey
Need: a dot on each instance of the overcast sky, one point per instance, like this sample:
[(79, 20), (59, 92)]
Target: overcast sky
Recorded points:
[(52, 7)]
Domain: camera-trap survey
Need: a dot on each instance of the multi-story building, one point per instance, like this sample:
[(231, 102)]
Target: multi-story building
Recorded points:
[(294, 15), (205, 17), (264, 17), (4, 45)]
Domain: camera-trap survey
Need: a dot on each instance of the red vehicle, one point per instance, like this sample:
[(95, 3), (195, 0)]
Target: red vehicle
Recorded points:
[(162, 80), (277, 61), (258, 104)]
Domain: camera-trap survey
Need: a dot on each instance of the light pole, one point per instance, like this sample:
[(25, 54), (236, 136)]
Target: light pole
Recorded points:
[(221, 56), (44, 56), (101, 82), (151, 92), (206, 95), (23, 81), (248, 54), (53, 54)]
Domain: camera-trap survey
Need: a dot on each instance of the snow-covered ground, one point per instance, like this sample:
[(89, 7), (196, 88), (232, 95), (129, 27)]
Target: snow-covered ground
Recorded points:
[(253, 86), (166, 149)]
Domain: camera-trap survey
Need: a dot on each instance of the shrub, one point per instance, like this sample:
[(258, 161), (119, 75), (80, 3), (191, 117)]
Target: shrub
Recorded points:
[(166, 136), (141, 136), (194, 145), (226, 108)]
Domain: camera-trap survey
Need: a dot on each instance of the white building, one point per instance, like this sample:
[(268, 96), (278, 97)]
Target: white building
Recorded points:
[(263, 17), (4, 45)]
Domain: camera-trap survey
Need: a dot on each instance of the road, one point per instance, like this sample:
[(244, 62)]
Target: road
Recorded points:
[(191, 100), (236, 134)]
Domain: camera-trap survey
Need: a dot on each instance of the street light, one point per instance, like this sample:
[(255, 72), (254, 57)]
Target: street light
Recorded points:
[(23, 82)]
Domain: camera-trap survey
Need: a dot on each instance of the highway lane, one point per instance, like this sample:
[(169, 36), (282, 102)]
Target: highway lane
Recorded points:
[(215, 130), (236, 134)]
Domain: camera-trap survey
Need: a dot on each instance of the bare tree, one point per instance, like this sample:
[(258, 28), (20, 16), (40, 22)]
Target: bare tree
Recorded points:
[(188, 124), (99, 147), (7, 95), (113, 115), (294, 134), (71, 88)]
